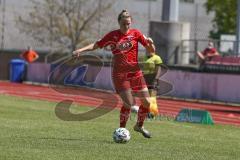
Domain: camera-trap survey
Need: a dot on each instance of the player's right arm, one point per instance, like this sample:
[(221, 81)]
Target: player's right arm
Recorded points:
[(89, 47), (99, 44)]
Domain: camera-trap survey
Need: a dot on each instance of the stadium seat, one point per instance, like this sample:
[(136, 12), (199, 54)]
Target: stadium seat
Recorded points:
[(223, 64)]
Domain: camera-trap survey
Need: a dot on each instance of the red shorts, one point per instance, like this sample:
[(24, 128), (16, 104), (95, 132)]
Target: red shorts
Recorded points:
[(125, 81)]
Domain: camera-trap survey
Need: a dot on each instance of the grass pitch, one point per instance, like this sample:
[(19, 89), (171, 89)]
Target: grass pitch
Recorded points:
[(30, 130)]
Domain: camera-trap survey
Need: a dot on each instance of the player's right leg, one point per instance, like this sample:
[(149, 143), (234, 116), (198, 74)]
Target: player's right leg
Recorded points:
[(153, 110), (122, 87), (128, 101)]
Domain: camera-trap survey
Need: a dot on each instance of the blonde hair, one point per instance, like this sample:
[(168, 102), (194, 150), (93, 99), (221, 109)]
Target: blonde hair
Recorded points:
[(124, 14)]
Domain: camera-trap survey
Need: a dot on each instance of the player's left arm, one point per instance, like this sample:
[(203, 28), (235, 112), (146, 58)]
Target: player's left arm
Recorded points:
[(157, 62), (158, 71), (147, 42), (150, 47)]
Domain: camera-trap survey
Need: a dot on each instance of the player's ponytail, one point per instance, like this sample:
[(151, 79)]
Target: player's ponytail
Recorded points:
[(124, 14)]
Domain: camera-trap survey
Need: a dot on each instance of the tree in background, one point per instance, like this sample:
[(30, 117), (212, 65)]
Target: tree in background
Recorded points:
[(225, 17), (63, 24)]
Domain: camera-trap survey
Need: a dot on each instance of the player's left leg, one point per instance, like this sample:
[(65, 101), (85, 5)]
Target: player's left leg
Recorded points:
[(139, 86), (143, 111)]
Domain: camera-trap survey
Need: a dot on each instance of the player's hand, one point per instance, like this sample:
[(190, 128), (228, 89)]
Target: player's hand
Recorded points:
[(150, 41), (155, 83), (76, 53)]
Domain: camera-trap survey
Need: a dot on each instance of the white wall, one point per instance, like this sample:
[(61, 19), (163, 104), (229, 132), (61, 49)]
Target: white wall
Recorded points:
[(221, 87)]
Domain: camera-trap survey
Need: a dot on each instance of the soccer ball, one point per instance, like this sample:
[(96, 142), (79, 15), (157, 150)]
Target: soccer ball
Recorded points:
[(121, 135)]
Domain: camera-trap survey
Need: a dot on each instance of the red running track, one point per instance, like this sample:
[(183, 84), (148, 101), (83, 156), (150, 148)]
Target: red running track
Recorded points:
[(222, 114)]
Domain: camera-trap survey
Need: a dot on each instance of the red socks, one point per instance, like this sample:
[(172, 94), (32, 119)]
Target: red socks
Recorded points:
[(124, 115), (125, 112), (142, 113)]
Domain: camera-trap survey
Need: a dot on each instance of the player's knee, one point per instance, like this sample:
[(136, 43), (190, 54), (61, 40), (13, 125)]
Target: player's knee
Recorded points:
[(127, 105), (146, 102)]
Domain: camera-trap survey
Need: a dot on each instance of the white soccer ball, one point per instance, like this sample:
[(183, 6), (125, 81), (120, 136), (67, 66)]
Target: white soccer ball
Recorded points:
[(121, 135)]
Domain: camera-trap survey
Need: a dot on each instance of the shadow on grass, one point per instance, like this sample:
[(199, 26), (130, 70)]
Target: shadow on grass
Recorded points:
[(110, 141)]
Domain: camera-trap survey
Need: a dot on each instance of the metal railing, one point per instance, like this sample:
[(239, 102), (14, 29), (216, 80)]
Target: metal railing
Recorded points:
[(224, 47)]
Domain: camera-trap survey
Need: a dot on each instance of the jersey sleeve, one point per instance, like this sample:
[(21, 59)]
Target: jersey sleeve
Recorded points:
[(142, 38), (158, 60), (102, 42)]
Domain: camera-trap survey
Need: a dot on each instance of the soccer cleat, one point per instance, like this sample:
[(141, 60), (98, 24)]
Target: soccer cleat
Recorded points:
[(144, 132), (150, 116)]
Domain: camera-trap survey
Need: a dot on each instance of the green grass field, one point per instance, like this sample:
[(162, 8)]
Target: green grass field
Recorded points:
[(29, 130)]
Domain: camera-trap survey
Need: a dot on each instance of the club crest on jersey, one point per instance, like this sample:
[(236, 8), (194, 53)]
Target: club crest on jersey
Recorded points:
[(125, 46), (121, 46)]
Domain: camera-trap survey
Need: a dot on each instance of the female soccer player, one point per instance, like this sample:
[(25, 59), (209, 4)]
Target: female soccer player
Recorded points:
[(126, 74)]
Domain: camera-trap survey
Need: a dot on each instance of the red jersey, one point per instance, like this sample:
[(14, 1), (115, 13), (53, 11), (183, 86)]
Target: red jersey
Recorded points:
[(208, 51), (124, 48)]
